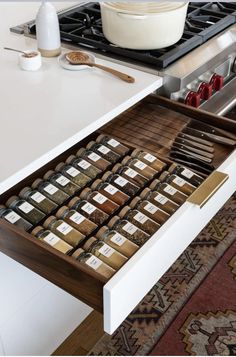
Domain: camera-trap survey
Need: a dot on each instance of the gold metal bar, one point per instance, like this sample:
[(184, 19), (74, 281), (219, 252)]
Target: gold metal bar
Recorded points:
[(208, 188)]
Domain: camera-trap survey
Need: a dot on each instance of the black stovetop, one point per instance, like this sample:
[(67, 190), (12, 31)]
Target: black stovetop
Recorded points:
[(82, 26)]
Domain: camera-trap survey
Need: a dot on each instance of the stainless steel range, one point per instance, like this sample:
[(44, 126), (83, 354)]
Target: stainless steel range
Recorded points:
[(200, 70)]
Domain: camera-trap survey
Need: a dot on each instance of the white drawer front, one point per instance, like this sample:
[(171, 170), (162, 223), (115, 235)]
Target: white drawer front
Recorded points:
[(132, 282)]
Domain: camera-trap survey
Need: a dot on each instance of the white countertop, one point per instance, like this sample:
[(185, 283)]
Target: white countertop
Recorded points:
[(44, 113)]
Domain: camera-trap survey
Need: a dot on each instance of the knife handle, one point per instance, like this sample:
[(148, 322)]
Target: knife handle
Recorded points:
[(196, 139), (194, 144), (194, 150), (196, 156)]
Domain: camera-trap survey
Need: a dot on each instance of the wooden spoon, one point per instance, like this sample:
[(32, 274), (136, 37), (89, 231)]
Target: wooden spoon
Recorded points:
[(81, 58)]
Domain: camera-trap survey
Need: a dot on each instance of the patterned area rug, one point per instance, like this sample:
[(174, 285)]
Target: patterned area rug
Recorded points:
[(194, 302)]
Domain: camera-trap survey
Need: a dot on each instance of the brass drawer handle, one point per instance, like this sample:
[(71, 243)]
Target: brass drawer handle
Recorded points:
[(208, 188)]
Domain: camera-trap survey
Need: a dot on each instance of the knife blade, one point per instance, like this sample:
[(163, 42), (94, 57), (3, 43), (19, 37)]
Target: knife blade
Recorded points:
[(194, 144), (214, 138), (201, 164), (196, 156), (192, 166), (192, 149), (196, 139)]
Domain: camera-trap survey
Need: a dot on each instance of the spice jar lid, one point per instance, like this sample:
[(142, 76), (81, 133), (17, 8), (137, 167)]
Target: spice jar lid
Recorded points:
[(60, 166), (80, 152), (70, 159), (96, 184), (48, 221), (60, 213), (84, 193), (134, 202), (36, 183), (37, 230), (136, 152), (11, 200), (126, 160), (48, 174), (124, 211), (2, 209), (73, 201), (89, 242), (164, 176), (101, 232), (172, 168), (113, 221), (90, 144), (116, 167), (24, 191), (154, 184), (106, 175), (77, 253), (145, 192), (100, 138)]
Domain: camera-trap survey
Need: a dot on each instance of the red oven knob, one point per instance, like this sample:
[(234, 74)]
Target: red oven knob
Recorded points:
[(205, 90), (217, 82), (193, 99)]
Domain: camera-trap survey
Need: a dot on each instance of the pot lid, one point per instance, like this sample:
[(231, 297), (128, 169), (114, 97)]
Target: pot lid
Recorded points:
[(144, 7)]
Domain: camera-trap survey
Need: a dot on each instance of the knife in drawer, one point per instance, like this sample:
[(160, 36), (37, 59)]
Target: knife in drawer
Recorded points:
[(215, 138), (194, 144), (192, 154), (206, 128), (190, 160), (193, 166), (196, 139), (193, 150)]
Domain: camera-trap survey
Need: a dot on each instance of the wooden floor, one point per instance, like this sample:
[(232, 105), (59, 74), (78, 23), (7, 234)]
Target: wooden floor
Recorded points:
[(82, 340)]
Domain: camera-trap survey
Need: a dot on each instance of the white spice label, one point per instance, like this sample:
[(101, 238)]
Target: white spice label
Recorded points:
[(77, 218), (149, 157), (94, 157), (51, 239), (100, 198), (170, 190), (130, 228), (64, 228), (121, 181), (93, 262), (38, 197), (111, 189), (187, 173), (26, 207), (62, 180), (141, 218), (118, 239), (50, 189), (12, 217), (114, 143), (161, 199), (140, 165), (88, 208), (131, 173), (151, 208), (73, 172), (84, 164), (106, 250), (179, 181), (103, 149)]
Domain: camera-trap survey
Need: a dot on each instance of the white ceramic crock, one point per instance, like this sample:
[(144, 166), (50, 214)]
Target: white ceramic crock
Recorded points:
[(30, 63)]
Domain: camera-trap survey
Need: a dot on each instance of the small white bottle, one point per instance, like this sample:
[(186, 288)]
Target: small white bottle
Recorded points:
[(47, 30)]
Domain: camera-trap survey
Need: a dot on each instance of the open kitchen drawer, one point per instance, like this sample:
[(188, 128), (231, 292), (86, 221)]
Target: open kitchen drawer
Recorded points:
[(117, 297)]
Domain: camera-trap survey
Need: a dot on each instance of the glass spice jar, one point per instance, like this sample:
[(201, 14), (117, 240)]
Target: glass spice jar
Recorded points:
[(100, 201), (51, 239), (103, 151), (129, 230), (94, 263), (38, 200), (168, 191), (12, 217), (130, 174), (64, 231), (50, 191), (88, 210), (73, 174), (110, 191), (117, 241), (93, 159), (76, 220), (104, 252), (25, 209), (140, 167), (113, 144), (150, 210), (149, 159), (188, 175), (159, 200), (84, 166), (121, 183), (177, 182), (140, 220), (62, 182)]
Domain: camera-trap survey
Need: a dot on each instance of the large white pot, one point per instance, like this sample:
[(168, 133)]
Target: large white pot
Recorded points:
[(143, 26)]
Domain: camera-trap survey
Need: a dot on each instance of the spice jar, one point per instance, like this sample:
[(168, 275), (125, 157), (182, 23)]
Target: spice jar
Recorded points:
[(88, 210), (159, 200), (130, 174), (93, 159), (152, 211), (76, 220), (110, 191), (103, 151), (98, 200), (12, 217), (129, 230), (139, 219), (113, 144), (62, 182), (38, 200), (51, 239), (50, 191), (64, 231), (168, 191), (84, 166), (149, 159), (177, 182), (73, 174), (117, 241), (140, 167), (94, 263), (186, 174), (104, 252), (25, 209), (120, 182)]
